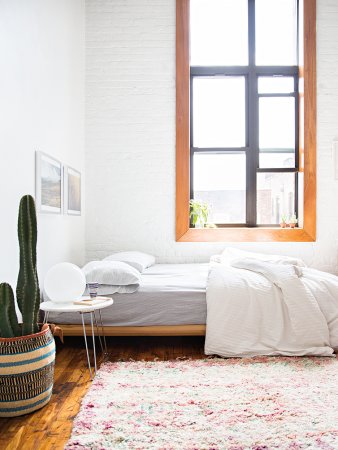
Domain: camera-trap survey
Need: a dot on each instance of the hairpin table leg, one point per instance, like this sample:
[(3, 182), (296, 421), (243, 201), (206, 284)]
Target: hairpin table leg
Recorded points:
[(46, 316), (93, 336), (103, 335), (98, 332), (85, 339)]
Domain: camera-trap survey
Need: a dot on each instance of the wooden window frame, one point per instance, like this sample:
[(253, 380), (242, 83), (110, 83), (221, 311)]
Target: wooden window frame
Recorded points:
[(307, 149)]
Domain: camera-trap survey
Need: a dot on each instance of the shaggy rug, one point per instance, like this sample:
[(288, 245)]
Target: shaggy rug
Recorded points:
[(235, 404)]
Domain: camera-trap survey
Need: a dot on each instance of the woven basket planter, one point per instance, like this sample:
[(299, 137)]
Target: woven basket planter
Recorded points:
[(26, 372)]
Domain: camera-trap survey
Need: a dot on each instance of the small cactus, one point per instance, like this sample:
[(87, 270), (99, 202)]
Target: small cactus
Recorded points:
[(27, 291), (9, 326), (293, 218), (284, 218)]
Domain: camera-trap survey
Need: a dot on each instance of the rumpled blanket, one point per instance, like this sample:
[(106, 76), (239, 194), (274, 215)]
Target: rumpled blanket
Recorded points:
[(261, 308)]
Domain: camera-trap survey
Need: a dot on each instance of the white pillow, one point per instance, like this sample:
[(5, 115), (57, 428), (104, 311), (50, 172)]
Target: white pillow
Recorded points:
[(140, 261), (108, 289), (114, 273), (230, 254)]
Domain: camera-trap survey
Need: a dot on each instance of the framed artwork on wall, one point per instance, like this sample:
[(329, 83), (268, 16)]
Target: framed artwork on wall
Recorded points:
[(72, 191), (48, 184)]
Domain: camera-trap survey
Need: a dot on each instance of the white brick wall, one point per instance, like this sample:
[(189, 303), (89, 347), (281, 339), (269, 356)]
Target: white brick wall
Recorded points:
[(130, 135)]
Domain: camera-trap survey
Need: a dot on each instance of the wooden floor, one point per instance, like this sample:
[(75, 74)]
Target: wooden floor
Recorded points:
[(50, 428)]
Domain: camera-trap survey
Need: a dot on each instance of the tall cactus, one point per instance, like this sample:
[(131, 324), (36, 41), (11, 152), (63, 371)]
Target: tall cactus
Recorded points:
[(27, 291), (9, 326)]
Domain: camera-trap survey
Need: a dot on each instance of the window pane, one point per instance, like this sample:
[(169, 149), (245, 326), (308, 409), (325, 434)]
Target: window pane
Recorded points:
[(275, 85), (275, 197), (276, 32), (276, 160), (220, 180), (277, 123), (219, 112), (218, 32)]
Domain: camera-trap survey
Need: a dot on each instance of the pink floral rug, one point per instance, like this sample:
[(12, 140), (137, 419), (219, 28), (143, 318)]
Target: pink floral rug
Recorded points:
[(235, 404)]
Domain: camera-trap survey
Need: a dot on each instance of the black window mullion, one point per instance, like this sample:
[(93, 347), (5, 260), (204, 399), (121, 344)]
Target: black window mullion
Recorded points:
[(218, 70), (191, 166), (276, 70), (296, 127), (292, 94), (251, 154), (296, 194), (276, 150), (219, 149), (244, 70), (191, 142), (297, 131), (276, 169)]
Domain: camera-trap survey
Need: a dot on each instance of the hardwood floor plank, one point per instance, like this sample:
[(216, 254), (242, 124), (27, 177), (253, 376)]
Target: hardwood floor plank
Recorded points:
[(50, 427)]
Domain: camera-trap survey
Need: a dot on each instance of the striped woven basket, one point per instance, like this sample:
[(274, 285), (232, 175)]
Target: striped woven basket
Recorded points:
[(26, 372)]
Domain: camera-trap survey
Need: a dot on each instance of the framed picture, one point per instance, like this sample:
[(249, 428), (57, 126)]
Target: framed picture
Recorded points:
[(48, 184), (72, 190)]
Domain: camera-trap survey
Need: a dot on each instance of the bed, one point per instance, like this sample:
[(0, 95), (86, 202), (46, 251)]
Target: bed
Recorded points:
[(170, 301), (246, 304)]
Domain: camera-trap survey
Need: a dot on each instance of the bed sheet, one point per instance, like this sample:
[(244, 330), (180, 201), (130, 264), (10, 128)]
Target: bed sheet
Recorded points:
[(170, 294)]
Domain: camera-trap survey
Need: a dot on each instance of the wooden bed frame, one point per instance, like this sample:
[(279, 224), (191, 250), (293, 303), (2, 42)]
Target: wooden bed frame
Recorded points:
[(161, 330)]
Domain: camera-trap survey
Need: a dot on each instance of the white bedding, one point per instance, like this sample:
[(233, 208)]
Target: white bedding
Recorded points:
[(112, 276), (260, 308), (170, 294)]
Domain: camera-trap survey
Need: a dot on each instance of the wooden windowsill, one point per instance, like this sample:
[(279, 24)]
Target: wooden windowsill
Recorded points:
[(246, 235)]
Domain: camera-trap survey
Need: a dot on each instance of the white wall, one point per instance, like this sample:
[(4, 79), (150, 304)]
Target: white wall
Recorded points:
[(130, 135), (41, 108)]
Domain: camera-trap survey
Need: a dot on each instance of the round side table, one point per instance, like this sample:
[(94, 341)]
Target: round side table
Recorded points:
[(48, 307)]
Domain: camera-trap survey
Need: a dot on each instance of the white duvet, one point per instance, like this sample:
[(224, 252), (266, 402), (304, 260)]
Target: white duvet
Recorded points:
[(256, 307)]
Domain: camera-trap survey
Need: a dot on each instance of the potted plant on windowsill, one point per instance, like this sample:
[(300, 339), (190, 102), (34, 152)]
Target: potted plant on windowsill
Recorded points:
[(284, 221), (199, 213), (27, 352), (293, 221)]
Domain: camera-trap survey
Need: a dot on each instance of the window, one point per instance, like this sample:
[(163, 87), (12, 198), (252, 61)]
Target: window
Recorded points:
[(245, 129), (244, 105)]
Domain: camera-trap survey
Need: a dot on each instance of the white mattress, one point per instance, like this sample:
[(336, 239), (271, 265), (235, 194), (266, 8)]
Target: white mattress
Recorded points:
[(170, 294)]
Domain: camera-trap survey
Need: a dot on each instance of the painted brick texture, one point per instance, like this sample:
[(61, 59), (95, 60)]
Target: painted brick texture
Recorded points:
[(130, 135)]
